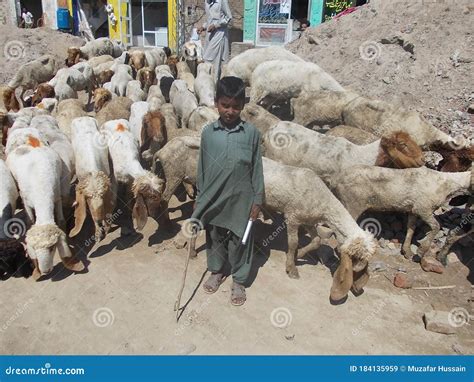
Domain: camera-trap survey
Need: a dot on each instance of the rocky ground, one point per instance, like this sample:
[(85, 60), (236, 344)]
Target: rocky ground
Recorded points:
[(416, 55)]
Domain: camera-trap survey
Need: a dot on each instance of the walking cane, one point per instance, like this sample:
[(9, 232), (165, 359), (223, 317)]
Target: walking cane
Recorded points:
[(177, 304)]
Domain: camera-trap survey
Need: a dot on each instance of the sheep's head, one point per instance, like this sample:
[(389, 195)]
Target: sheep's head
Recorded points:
[(104, 76), (42, 241), (147, 77), (43, 90), (258, 116), (352, 272), (9, 99), (147, 190), (101, 97), (137, 61), (171, 62), (205, 67), (399, 150), (454, 159), (94, 192), (73, 56), (190, 51), (167, 51)]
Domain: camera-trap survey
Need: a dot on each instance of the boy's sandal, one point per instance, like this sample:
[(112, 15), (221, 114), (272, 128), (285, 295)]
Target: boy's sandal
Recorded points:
[(213, 282), (238, 296)]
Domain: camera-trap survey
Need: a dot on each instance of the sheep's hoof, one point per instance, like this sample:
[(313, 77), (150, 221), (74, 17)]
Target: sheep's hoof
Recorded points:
[(357, 292), (407, 254), (293, 273), (339, 301), (36, 274)]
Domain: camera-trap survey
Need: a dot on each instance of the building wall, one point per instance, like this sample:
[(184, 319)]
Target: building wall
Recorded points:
[(49, 13), (198, 17)]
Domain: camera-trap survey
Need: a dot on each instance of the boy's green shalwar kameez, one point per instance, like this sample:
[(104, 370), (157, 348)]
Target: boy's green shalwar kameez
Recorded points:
[(229, 181)]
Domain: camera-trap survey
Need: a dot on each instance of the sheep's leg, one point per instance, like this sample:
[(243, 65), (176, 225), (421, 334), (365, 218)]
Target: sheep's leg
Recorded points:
[(411, 225), (60, 221), (312, 246), (426, 243), (30, 214), (291, 270), (360, 279), (23, 90), (443, 253)]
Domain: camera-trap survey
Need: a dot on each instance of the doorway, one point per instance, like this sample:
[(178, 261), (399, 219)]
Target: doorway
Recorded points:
[(34, 7)]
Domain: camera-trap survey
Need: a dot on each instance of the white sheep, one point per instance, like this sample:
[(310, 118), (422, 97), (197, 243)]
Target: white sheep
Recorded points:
[(69, 81), (192, 55), (162, 71), (37, 170), (185, 74), (313, 203), (272, 81), (96, 189), (167, 110), (119, 81), (137, 112), (202, 116), (124, 151), (298, 146), (183, 101), (204, 86), (155, 57), (8, 197), (260, 117), (244, 64), (134, 91), (94, 48), (416, 191), (33, 73), (68, 110), (373, 116)]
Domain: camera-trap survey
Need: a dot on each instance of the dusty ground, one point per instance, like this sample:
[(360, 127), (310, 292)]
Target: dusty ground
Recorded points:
[(124, 304)]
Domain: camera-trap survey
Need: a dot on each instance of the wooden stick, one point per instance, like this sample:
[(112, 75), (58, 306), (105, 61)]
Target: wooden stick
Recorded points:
[(183, 281), (435, 287)]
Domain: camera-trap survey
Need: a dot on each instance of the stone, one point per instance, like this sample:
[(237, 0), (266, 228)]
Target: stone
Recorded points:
[(437, 321), (453, 258), (378, 266), (430, 264), (401, 280), (187, 348), (324, 232), (470, 108), (386, 80), (457, 349), (382, 243), (391, 245), (290, 337)]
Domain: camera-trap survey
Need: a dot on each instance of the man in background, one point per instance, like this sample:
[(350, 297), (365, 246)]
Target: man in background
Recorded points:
[(27, 18)]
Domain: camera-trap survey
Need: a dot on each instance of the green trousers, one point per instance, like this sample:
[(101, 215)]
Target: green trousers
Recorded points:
[(223, 249)]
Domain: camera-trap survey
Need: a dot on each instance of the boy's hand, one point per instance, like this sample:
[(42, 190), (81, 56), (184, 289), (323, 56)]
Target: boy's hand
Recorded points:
[(200, 30), (254, 212)]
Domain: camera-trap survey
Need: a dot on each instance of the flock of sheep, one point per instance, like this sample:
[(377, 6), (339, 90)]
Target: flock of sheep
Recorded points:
[(141, 142)]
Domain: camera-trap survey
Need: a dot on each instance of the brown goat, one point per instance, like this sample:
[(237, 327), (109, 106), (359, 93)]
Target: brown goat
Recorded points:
[(9, 100), (171, 62), (137, 61), (399, 150), (101, 97), (147, 78), (153, 134), (454, 160), (73, 56), (103, 77), (43, 90)]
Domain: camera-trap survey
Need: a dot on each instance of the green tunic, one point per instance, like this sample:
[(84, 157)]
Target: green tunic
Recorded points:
[(230, 176)]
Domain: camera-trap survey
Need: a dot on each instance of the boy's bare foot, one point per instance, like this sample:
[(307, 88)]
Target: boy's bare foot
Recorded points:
[(213, 282), (238, 296)]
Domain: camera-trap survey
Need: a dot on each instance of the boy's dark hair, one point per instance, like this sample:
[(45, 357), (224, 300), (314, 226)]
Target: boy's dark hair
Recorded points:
[(232, 87)]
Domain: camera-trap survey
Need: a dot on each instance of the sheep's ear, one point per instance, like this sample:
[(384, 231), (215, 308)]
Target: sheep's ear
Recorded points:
[(342, 281), (140, 213), (360, 277), (77, 58), (79, 214), (69, 261)]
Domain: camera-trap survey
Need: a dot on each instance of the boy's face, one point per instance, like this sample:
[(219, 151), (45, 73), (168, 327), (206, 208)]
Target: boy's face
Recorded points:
[(229, 109)]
